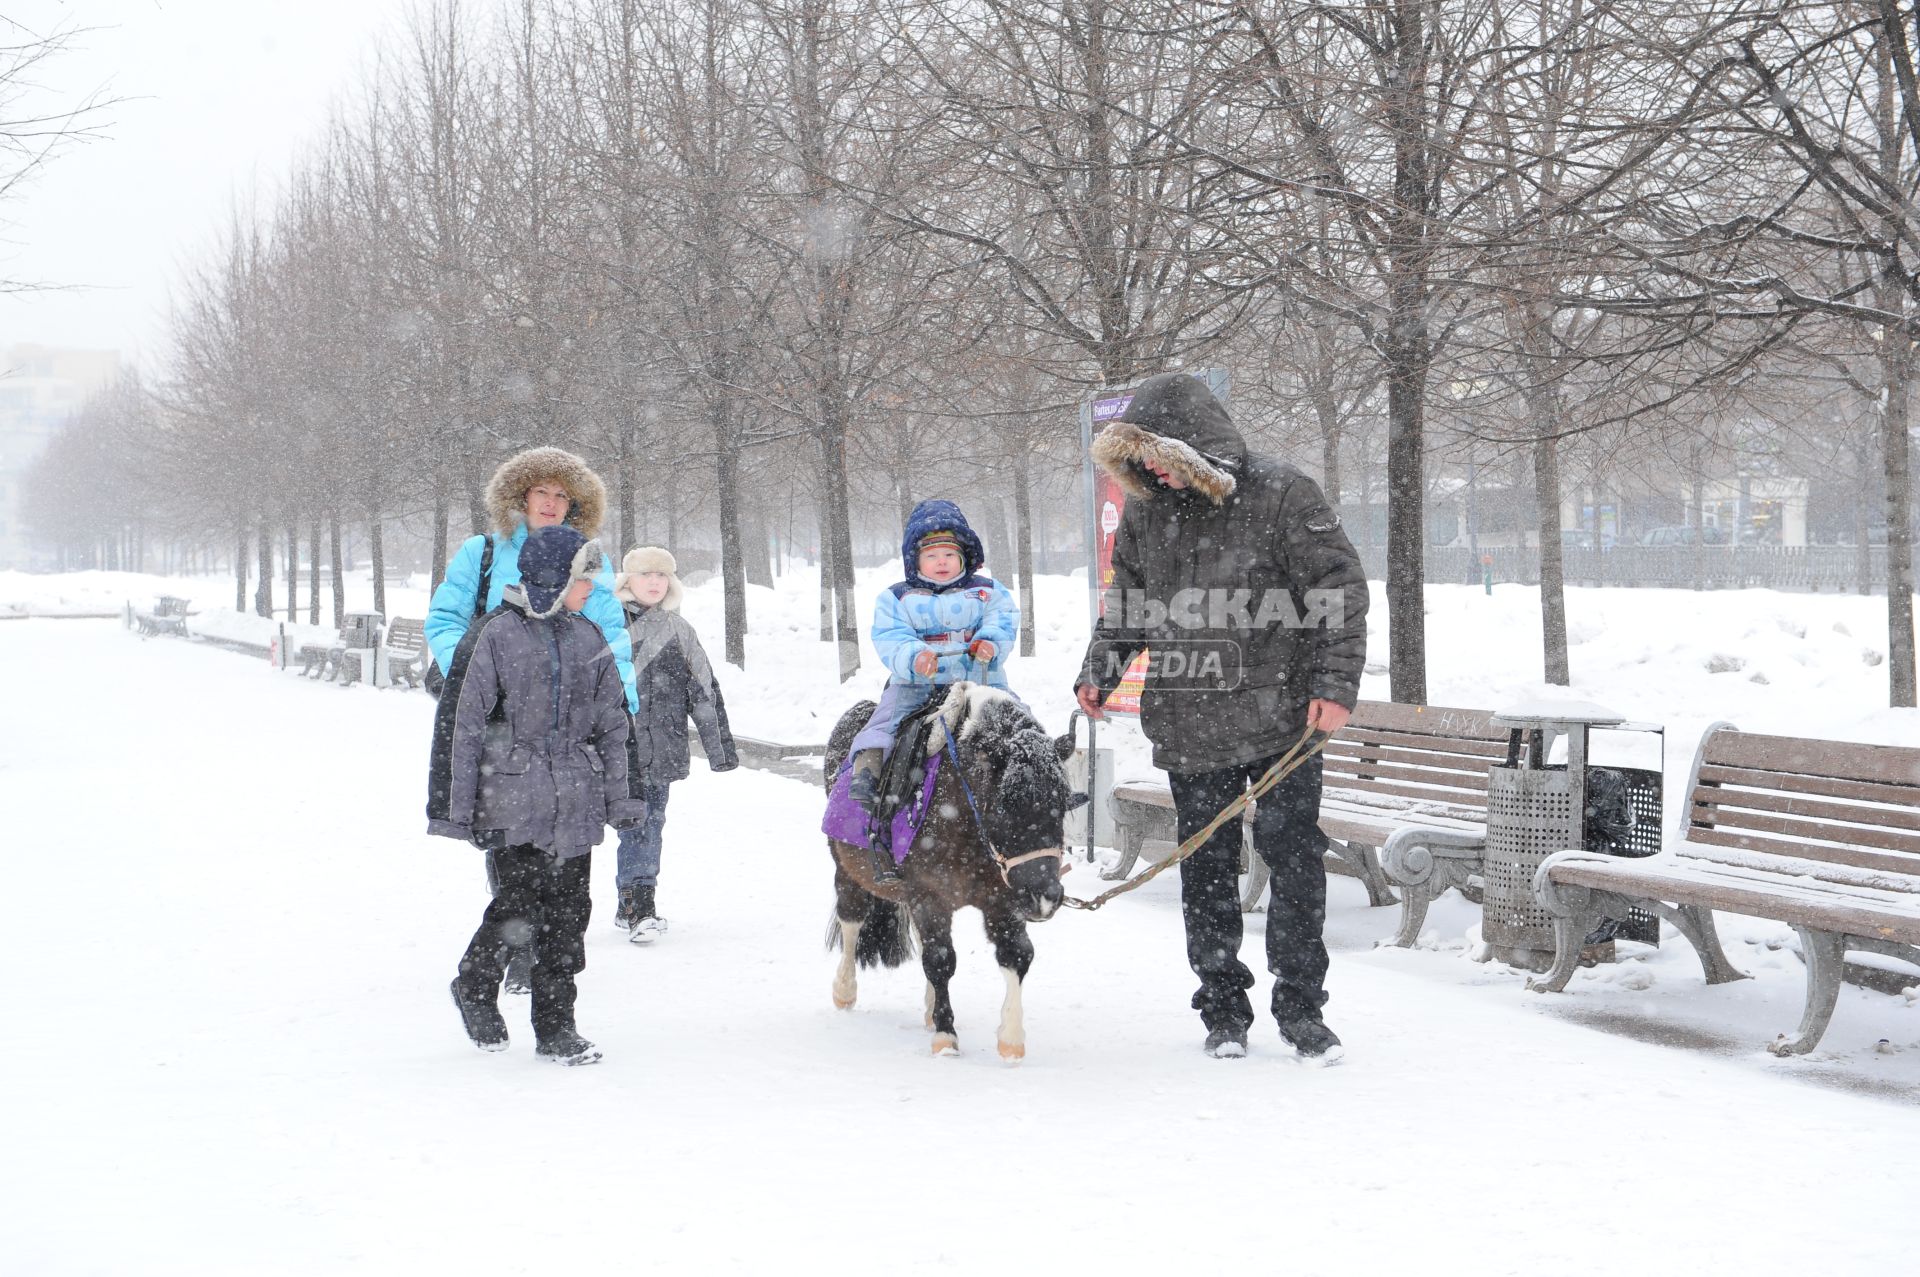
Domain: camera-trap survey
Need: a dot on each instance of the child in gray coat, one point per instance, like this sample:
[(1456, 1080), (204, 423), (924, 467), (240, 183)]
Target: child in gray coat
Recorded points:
[(530, 764)]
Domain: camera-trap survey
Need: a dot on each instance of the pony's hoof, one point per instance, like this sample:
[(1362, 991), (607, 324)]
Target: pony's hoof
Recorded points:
[(1013, 1051), (844, 1004), (945, 1044)]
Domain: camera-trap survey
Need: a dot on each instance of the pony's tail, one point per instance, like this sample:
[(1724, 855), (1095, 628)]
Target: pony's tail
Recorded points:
[(886, 937)]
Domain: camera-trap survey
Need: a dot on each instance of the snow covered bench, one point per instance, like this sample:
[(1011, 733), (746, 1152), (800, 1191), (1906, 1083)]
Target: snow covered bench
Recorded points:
[(169, 616), (1403, 783), (406, 651), (1821, 835), (341, 658)]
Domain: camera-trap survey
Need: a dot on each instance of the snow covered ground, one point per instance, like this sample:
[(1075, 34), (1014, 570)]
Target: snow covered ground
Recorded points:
[(232, 1049)]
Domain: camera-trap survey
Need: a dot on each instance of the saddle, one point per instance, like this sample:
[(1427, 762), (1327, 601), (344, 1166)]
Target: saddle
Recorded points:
[(904, 772)]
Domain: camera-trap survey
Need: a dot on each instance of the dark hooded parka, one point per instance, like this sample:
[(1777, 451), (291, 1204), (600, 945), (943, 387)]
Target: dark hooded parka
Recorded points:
[(1247, 559)]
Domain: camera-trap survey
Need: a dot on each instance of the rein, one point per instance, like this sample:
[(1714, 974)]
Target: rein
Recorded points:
[(1004, 863), (1282, 766)]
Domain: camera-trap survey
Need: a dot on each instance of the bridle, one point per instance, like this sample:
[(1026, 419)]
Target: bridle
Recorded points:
[(1003, 862)]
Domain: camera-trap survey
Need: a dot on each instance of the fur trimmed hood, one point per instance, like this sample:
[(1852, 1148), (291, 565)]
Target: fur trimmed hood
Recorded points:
[(1174, 421), (649, 558), (507, 490)]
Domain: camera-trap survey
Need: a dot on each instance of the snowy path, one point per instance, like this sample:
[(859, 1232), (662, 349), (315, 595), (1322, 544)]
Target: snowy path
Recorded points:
[(233, 1051)]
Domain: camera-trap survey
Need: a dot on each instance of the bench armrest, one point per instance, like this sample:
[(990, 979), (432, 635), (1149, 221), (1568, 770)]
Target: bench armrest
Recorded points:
[(1409, 854)]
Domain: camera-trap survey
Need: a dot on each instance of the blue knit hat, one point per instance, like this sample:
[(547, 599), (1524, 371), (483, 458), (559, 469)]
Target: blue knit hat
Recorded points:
[(551, 560)]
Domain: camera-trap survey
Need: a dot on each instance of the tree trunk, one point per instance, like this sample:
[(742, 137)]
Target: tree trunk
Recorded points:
[(1023, 544), (1897, 377), (240, 568), (338, 566), (629, 498), (733, 581), (838, 553), (263, 591), (1862, 551), (313, 573), (377, 552), (826, 574), (442, 514), (1553, 594), (293, 572)]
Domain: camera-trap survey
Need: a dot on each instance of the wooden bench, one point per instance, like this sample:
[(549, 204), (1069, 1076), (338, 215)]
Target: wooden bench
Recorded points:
[(169, 616), (1821, 835), (407, 651), (340, 660), (1403, 783)]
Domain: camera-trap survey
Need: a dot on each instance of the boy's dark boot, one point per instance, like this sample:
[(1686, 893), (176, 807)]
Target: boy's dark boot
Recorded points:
[(648, 925), (1309, 1035), (625, 916), (565, 1046), (1229, 1042), (480, 1013)]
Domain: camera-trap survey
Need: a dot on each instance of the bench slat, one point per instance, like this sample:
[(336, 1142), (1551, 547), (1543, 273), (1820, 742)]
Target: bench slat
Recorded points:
[(1457, 746), (1676, 881), (1720, 797), (1862, 791), (1365, 775), (1863, 857), (1449, 722), (1805, 756), (1357, 754)]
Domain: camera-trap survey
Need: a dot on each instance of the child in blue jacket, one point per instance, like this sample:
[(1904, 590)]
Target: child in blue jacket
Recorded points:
[(946, 623)]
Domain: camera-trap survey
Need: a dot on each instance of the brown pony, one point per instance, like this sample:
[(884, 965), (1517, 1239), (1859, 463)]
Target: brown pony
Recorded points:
[(992, 839)]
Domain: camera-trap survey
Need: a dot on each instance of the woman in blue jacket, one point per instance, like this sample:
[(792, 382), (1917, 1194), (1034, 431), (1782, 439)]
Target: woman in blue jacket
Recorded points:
[(534, 489)]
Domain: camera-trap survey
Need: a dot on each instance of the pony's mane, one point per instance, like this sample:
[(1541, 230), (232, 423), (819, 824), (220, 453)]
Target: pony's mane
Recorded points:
[(971, 708)]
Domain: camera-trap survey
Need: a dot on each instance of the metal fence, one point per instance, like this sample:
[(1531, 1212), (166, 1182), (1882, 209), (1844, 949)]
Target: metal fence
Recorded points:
[(1817, 568)]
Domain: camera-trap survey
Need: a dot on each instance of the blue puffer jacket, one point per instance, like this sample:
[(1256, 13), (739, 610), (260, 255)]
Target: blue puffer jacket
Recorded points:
[(452, 609), (917, 615)]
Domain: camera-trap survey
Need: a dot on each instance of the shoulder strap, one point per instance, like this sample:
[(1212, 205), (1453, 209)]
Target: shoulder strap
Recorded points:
[(486, 578)]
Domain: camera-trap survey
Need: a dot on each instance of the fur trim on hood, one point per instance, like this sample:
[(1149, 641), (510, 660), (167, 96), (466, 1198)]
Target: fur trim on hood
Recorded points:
[(1175, 422), (507, 490), (649, 558)]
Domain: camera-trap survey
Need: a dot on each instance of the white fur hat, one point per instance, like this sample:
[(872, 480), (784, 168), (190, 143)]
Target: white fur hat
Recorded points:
[(648, 558)]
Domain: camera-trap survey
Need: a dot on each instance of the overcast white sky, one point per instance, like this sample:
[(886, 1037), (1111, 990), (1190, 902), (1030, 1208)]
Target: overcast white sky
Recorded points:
[(223, 96)]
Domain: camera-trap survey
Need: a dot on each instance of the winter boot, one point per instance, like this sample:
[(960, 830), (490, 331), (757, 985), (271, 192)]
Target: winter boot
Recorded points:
[(1226, 1043), (624, 917), (648, 926), (1309, 1035), (865, 785), (567, 1047), (481, 1016), (519, 978)]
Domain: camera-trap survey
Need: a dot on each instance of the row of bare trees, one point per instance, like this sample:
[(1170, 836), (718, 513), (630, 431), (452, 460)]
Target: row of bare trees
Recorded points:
[(749, 255)]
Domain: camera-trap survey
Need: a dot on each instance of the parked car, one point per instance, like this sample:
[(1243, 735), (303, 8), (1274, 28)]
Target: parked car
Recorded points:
[(1576, 539)]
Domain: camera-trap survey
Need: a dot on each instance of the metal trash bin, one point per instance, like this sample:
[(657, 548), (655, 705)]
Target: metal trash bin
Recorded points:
[(1536, 807)]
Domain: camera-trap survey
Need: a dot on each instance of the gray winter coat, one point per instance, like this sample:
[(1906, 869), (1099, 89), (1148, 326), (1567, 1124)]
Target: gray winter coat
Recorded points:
[(530, 743), (1249, 559), (676, 683)]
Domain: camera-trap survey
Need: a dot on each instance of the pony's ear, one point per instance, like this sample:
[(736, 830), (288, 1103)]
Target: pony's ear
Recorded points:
[(1078, 800), (1063, 747)]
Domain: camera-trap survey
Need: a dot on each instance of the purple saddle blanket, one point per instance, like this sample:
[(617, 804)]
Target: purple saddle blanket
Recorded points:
[(848, 822)]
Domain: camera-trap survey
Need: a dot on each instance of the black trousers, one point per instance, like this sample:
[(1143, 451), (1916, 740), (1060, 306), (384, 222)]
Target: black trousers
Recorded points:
[(542, 901), (1286, 834)]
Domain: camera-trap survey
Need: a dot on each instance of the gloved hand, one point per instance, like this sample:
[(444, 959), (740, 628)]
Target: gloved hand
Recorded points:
[(926, 663), (983, 651), (632, 822)]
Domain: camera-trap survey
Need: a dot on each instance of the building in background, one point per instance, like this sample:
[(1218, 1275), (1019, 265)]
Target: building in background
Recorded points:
[(40, 387)]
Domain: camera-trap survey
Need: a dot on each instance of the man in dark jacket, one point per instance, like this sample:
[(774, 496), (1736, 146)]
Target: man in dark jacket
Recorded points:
[(530, 764), (1233, 569)]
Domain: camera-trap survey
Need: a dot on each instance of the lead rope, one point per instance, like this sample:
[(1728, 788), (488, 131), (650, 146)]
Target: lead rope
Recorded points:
[(1282, 767)]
